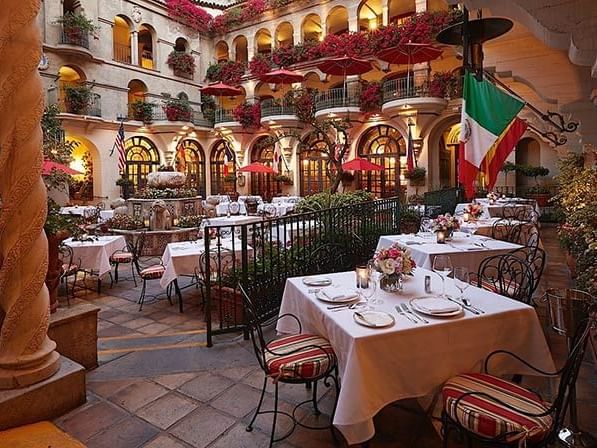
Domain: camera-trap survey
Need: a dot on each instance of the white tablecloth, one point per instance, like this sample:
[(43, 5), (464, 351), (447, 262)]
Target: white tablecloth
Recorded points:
[(223, 207), (106, 214), (95, 255), (380, 366), (286, 199), (281, 207), (497, 209), (233, 220), (183, 257), (461, 249), (77, 210)]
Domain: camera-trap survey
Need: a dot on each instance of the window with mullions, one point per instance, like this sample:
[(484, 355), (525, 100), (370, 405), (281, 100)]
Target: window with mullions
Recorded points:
[(314, 162), (142, 158), (219, 167), (263, 184), (385, 146), (194, 165)]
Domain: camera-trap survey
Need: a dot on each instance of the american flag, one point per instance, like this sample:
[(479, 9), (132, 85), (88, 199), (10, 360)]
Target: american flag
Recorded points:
[(119, 145)]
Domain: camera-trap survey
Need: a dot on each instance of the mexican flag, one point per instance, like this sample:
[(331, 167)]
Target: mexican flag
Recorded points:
[(489, 131)]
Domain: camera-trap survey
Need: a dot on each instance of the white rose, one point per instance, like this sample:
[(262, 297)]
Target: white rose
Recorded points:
[(388, 266)]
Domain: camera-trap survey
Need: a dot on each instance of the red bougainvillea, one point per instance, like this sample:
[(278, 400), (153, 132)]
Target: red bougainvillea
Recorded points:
[(260, 65), (371, 97), (188, 13), (231, 72), (248, 115)]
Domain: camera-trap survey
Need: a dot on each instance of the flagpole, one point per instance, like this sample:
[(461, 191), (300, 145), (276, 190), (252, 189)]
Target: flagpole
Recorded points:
[(120, 119)]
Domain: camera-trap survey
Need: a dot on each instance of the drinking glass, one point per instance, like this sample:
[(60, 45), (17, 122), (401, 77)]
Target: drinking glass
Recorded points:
[(373, 281), (461, 280), (442, 265)]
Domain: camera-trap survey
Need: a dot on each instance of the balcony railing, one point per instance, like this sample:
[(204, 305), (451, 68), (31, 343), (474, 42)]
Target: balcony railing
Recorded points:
[(223, 116), (156, 112), (122, 53), (274, 108), (73, 36), (339, 97), (420, 84), (92, 108)]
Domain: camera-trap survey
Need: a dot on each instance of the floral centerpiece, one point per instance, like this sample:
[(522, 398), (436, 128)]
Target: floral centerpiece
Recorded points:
[(446, 223), (474, 210), (393, 263)]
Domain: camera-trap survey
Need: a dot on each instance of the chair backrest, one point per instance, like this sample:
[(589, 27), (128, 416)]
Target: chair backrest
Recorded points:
[(505, 229), (507, 275), (535, 258), (65, 255), (135, 247), (220, 263), (253, 319), (533, 237)]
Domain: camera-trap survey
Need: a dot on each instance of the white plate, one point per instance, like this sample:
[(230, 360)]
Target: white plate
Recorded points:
[(234, 208), (374, 319), (317, 281), (343, 299), (413, 304)]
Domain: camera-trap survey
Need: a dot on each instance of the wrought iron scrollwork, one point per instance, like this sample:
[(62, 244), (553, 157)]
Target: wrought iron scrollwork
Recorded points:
[(561, 124)]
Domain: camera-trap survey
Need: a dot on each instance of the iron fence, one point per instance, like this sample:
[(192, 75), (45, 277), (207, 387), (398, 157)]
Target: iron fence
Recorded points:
[(350, 96), (274, 108), (262, 254), (223, 116), (92, 107), (71, 36)]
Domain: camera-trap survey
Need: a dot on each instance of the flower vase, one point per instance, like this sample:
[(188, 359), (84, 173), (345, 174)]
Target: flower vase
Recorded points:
[(449, 235), (391, 282)]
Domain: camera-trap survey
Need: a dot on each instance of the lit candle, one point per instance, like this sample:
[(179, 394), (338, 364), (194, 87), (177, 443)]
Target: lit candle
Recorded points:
[(503, 196), (362, 276), (441, 237), (466, 217), (146, 222)]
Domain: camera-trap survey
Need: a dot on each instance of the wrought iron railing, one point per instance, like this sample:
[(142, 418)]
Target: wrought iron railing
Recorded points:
[(223, 116), (443, 201), (274, 108), (419, 84), (72, 36), (158, 113), (122, 53), (339, 97), (58, 96), (263, 254)]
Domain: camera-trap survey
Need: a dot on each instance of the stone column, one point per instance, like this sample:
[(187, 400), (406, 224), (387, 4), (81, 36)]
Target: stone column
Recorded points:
[(27, 355), (134, 48), (385, 15)]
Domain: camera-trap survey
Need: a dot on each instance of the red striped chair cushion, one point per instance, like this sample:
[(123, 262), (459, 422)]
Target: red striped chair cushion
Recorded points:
[(152, 272), (69, 269), (311, 356), (121, 257), (487, 418), (512, 288)]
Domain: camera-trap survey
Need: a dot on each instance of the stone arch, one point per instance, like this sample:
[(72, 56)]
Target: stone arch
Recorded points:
[(137, 91), (400, 10), (337, 20), (181, 45), (436, 134), (221, 51), (147, 42), (284, 35), (220, 165), (311, 28), (84, 145), (241, 49), (121, 39), (263, 42), (370, 15), (194, 163), (141, 158)]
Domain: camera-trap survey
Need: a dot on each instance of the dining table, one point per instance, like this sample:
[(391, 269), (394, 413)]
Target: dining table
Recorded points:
[(78, 210), (381, 365), (93, 254), (496, 209), (484, 227), (465, 250)]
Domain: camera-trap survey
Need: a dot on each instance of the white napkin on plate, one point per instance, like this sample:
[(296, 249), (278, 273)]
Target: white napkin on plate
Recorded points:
[(335, 294), (436, 305)]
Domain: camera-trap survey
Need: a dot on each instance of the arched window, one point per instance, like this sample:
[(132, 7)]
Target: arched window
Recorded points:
[(448, 156), (194, 164), (400, 10), (311, 28), (220, 166), (146, 47), (263, 184), (385, 146), (263, 42), (314, 163), (121, 38), (221, 51), (241, 49), (142, 158), (181, 45), (370, 15), (337, 20), (284, 35)]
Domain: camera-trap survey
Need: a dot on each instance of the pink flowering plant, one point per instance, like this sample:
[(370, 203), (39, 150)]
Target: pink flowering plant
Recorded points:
[(474, 209), (446, 223), (394, 260)]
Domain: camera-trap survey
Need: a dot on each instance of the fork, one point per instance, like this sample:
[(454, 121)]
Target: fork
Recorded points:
[(401, 312), (408, 310)]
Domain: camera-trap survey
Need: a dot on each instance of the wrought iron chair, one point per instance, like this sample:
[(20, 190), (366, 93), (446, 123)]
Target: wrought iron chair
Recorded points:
[(497, 412), (505, 229), (533, 237), (535, 258), (68, 268), (220, 262), (507, 275), (123, 256), (296, 359)]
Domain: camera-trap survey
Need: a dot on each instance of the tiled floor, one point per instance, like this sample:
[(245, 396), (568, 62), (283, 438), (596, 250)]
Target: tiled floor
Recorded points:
[(158, 386)]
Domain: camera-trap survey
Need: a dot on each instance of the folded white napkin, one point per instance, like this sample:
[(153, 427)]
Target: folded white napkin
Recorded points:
[(335, 294), (436, 305)]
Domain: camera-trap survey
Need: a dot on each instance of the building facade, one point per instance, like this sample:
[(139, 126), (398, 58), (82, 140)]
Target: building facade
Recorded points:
[(122, 71)]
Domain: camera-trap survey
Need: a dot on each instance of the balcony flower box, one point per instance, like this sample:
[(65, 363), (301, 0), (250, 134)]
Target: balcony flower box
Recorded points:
[(182, 63), (177, 110)]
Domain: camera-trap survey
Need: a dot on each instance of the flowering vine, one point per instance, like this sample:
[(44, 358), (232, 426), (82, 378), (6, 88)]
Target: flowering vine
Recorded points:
[(248, 115)]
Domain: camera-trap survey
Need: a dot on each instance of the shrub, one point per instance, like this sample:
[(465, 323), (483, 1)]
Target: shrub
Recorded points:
[(142, 111), (177, 109), (417, 173), (232, 72), (213, 73), (325, 199), (260, 65), (182, 62), (370, 99), (78, 97)]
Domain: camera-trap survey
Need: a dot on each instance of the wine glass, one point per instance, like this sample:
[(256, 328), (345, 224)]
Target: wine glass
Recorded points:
[(369, 292), (461, 280), (442, 265)]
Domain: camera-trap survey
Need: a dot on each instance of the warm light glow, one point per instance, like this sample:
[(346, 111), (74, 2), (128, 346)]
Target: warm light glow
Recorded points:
[(372, 24), (193, 134), (392, 161), (305, 162), (77, 164), (185, 127)]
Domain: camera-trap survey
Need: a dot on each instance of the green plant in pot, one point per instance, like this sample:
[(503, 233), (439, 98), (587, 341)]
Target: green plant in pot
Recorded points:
[(126, 185), (540, 193), (410, 220), (77, 98), (416, 176), (76, 25), (177, 109), (142, 111), (284, 179)]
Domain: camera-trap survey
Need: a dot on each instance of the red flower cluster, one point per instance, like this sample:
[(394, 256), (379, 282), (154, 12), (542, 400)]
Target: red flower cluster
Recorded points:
[(248, 115), (260, 65), (232, 72), (188, 13), (371, 97), (445, 84)]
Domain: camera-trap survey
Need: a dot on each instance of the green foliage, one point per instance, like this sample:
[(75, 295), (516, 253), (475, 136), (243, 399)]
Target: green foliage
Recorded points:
[(417, 173), (77, 23), (77, 97), (166, 193), (190, 221), (124, 222), (57, 222), (124, 182), (213, 72), (142, 111), (326, 199), (508, 166)]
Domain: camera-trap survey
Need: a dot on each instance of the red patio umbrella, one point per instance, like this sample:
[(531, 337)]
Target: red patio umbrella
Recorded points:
[(257, 167), (360, 164), (281, 76), (345, 65), (220, 89), (49, 166)]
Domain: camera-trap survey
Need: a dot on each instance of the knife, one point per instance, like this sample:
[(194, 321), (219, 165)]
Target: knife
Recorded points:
[(402, 313), (466, 307)]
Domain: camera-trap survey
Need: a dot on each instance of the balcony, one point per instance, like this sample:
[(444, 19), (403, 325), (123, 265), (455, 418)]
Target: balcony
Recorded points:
[(225, 119), (156, 115), (92, 107), (414, 92), (74, 41), (276, 112), (339, 102), (122, 53)]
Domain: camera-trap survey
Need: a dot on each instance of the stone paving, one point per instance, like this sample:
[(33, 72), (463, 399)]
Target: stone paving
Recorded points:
[(159, 386)]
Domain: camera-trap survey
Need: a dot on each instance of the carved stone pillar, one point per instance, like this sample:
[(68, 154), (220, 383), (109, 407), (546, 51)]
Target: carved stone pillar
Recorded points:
[(27, 355), (134, 48)]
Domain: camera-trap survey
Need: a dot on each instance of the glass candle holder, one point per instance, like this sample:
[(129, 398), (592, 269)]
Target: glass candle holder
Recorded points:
[(362, 273), (491, 202), (441, 237)]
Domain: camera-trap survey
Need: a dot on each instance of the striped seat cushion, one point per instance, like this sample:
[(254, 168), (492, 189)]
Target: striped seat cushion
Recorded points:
[(487, 418), (311, 357), (121, 257), (510, 289), (152, 272), (69, 269)]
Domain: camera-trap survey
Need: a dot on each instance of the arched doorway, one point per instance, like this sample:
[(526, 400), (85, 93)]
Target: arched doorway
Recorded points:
[(263, 184), (222, 51), (527, 152), (370, 15), (221, 165), (263, 42), (241, 49), (385, 146), (311, 28), (194, 164), (284, 36), (314, 161), (400, 10), (448, 156), (121, 38), (142, 158), (146, 39), (337, 21)]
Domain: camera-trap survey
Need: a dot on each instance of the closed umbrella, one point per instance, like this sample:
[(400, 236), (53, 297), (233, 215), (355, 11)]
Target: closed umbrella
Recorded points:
[(360, 164)]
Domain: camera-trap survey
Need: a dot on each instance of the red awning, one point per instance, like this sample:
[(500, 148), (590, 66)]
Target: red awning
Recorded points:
[(360, 164)]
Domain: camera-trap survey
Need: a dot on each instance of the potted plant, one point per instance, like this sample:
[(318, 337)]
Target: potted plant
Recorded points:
[(370, 98), (248, 115), (410, 220), (142, 111), (76, 26), (540, 193), (77, 98), (284, 179), (126, 185), (229, 178), (416, 176), (182, 63), (177, 109)]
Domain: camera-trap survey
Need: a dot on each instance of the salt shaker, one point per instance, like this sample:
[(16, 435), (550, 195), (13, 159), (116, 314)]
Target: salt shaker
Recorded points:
[(428, 284)]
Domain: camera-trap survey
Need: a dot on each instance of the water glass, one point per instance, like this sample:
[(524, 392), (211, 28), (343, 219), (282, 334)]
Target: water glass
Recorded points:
[(461, 280), (442, 265)]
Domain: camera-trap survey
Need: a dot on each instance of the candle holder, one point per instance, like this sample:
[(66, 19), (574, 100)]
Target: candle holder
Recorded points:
[(362, 273), (441, 237), (466, 217)]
